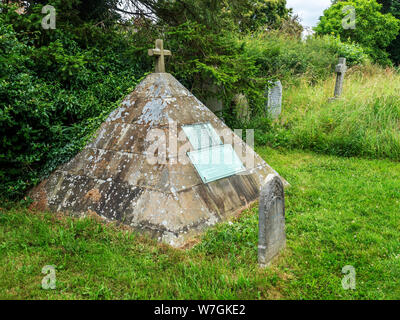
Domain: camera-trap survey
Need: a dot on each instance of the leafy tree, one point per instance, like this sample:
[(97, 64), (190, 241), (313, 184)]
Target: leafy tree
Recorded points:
[(374, 30), (386, 5), (393, 7), (247, 15), (77, 11)]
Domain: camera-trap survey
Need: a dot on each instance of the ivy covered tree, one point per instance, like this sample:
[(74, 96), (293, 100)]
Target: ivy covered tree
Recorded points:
[(374, 30), (247, 15)]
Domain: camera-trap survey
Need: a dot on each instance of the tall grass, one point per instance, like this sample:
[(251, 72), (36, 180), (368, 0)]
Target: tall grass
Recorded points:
[(365, 121), (290, 58)]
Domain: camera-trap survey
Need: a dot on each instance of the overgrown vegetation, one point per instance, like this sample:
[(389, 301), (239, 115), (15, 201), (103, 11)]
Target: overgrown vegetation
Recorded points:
[(364, 122), (393, 7)]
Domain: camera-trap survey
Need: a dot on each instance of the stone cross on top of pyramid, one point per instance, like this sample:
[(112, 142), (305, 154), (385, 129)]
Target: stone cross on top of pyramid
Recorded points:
[(159, 52)]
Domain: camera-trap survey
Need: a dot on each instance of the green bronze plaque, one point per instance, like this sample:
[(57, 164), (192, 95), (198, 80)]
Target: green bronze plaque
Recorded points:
[(216, 162), (202, 135)]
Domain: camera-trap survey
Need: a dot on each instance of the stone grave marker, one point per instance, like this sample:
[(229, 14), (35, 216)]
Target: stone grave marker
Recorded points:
[(242, 108), (159, 52), (341, 69), (274, 104), (272, 237)]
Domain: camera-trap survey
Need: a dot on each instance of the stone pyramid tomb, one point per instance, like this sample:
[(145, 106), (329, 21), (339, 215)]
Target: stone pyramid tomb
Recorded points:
[(145, 166)]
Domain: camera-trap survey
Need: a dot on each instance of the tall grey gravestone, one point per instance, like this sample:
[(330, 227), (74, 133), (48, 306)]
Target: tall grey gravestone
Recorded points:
[(274, 106), (341, 69), (271, 234)]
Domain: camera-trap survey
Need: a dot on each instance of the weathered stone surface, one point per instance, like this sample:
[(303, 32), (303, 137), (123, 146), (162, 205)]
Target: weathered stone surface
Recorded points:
[(272, 237), (159, 52), (274, 105), (160, 85), (113, 178)]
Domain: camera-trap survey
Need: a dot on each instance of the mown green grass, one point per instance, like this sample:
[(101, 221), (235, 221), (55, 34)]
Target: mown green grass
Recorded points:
[(340, 211)]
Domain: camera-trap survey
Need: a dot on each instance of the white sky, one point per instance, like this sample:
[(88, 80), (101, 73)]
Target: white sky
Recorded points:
[(309, 10)]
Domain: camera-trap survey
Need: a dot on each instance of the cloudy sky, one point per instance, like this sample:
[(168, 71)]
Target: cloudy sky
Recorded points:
[(309, 10)]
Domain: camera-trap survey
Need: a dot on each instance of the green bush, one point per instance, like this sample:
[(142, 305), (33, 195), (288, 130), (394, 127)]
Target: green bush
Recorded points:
[(202, 56), (291, 58), (353, 52), (51, 99)]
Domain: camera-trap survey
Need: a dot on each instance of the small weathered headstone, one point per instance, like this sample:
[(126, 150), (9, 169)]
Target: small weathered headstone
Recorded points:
[(271, 234), (274, 105), (242, 108), (341, 69), (213, 102)]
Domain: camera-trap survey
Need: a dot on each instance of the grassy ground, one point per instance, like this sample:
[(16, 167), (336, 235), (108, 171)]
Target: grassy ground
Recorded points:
[(339, 212)]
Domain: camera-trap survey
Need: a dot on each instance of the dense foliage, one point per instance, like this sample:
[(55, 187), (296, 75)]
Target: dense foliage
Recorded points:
[(52, 96), (243, 15), (373, 30), (393, 7)]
